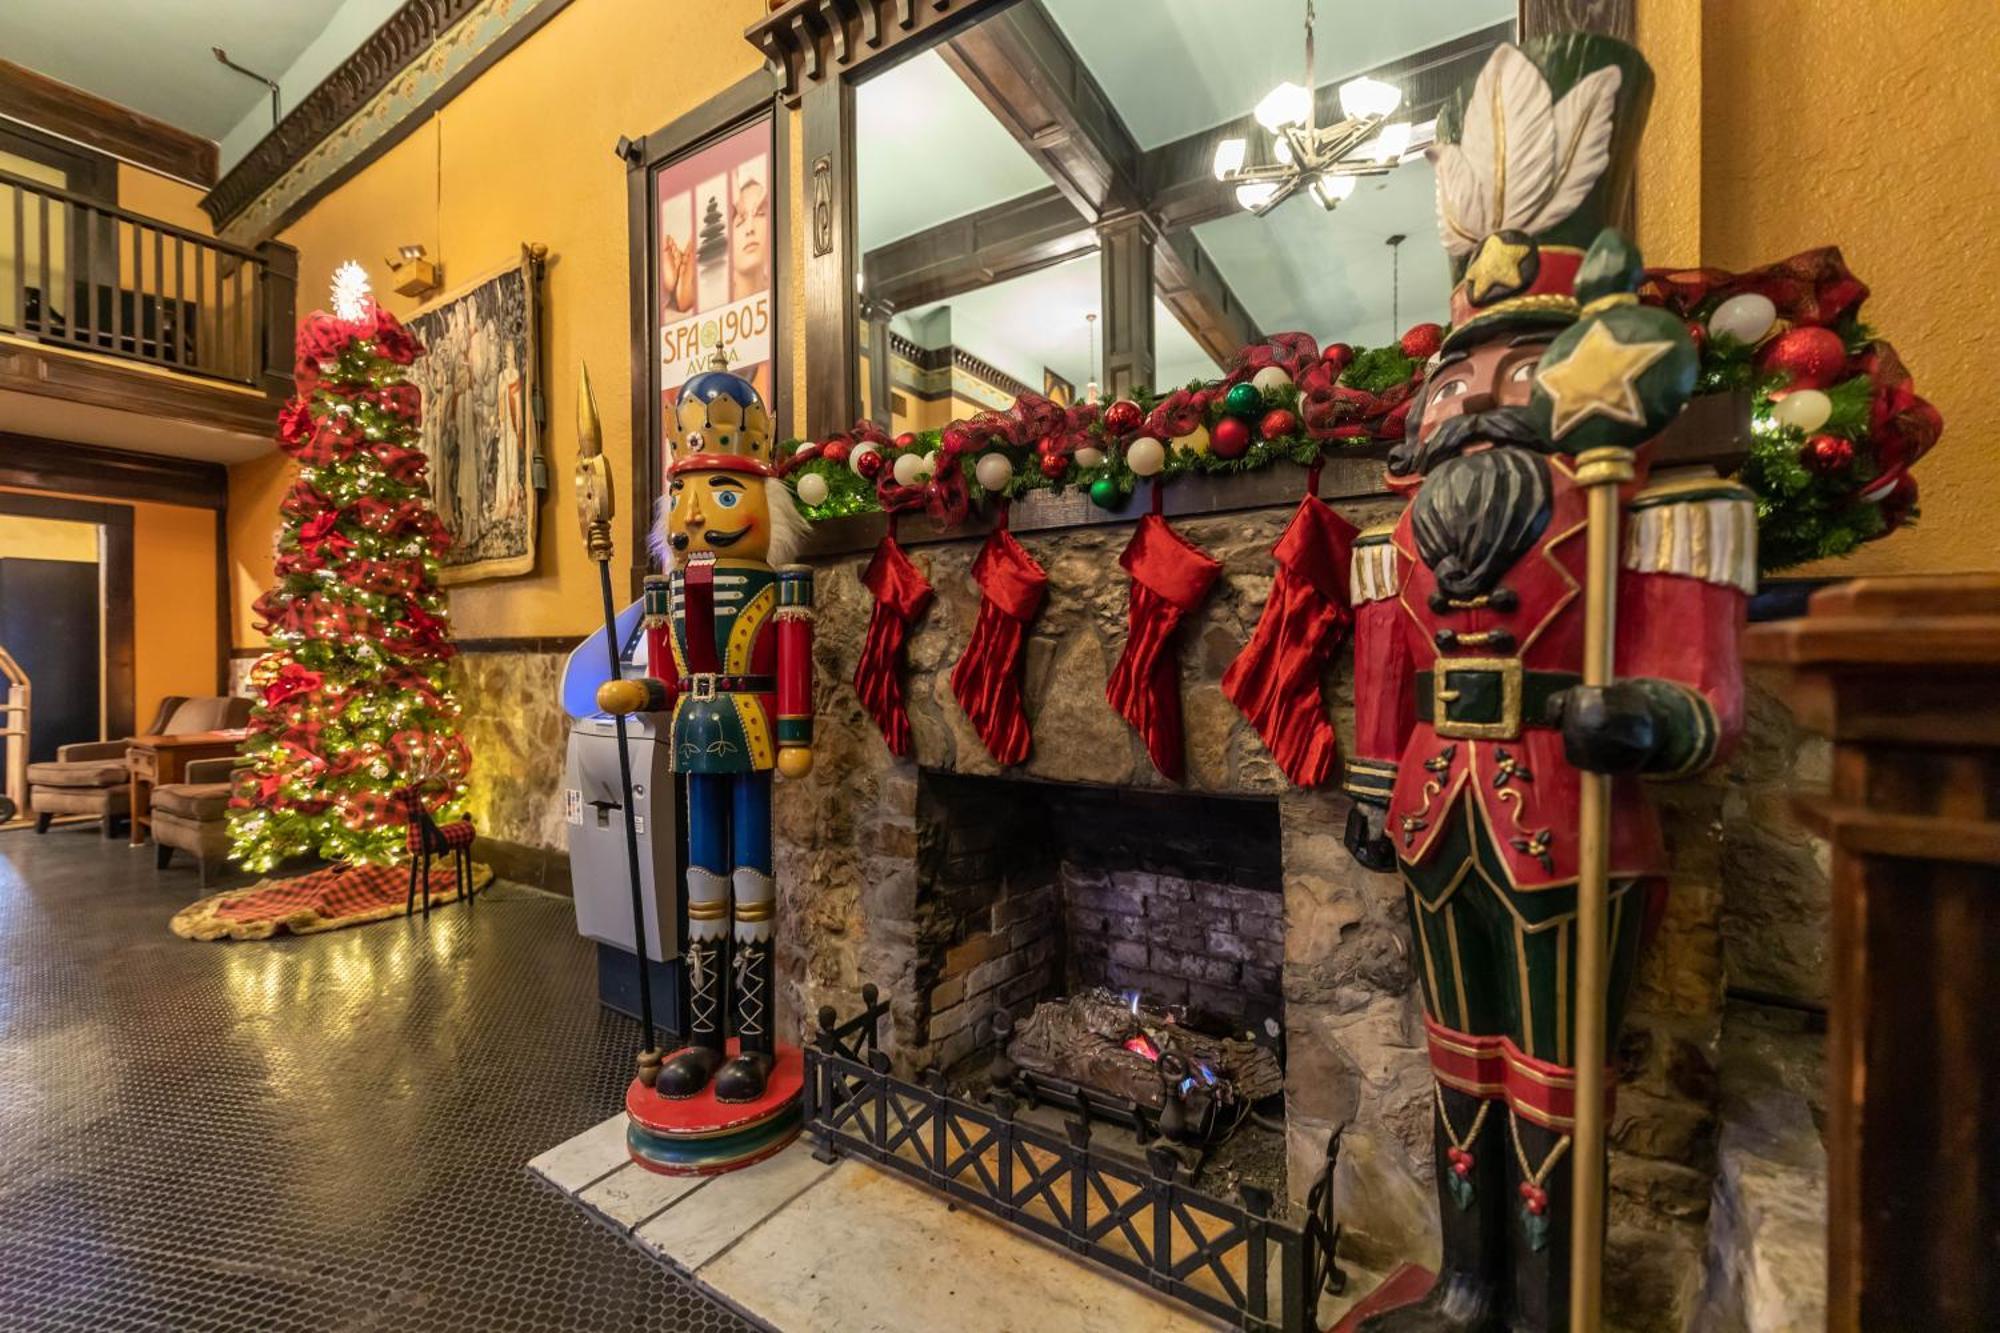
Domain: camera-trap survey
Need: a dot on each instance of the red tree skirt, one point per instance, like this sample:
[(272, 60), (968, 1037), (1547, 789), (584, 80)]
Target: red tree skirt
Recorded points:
[(322, 900)]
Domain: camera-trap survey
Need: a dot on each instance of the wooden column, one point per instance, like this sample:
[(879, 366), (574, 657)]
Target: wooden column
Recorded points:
[(279, 291), (1904, 676), (1125, 256), (826, 114)]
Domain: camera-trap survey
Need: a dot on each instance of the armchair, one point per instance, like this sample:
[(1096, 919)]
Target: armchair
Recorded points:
[(193, 815), (91, 777)]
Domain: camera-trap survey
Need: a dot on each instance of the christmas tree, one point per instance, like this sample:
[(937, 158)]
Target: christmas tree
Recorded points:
[(354, 703)]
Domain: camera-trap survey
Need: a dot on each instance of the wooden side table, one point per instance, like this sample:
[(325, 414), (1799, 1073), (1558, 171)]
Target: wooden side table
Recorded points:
[(156, 761), (1904, 676)]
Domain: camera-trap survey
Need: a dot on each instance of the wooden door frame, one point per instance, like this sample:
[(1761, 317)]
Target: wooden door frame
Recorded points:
[(114, 582)]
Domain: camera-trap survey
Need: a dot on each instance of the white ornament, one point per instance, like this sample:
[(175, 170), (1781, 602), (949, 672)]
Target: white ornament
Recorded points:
[(812, 490), (806, 450), (350, 292), (1090, 456), (1271, 377), (1807, 409), (1145, 456), (856, 454), (909, 469), (1746, 317), (994, 471), (930, 466)]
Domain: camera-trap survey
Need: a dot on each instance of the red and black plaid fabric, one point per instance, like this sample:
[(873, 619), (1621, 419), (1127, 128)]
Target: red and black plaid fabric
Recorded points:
[(322, 900)]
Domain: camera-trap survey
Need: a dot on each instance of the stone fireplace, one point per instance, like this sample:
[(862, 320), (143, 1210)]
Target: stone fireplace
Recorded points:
[(961, 890)]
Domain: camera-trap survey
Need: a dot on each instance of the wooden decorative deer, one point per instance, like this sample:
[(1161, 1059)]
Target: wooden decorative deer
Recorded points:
[(426, 839)]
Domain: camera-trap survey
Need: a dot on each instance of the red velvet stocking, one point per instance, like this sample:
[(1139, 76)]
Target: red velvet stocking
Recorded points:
[(901, 595), (987, 679), (1274, 681), (1170, 577)]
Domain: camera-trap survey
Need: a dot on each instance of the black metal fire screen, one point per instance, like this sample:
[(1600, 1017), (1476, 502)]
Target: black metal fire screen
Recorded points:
[(1235, 1261)]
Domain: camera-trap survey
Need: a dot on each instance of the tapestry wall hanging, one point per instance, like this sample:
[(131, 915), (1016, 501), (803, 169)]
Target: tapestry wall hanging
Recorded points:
[(480, 386)]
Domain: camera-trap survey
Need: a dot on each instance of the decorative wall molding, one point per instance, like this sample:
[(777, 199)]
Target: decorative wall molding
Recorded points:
[(426, 53), (809, 41), (37, 464)]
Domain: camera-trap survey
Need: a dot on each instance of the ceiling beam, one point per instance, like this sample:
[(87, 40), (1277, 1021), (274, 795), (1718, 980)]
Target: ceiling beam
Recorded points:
[(1191, 287), (37, 100), (1002, 241), (1179, 178)]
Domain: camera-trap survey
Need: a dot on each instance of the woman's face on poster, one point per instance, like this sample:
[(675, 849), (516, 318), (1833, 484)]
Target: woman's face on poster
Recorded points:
[(747, 228)]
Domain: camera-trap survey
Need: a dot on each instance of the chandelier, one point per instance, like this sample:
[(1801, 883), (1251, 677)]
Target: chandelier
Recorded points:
[(1324, 162)]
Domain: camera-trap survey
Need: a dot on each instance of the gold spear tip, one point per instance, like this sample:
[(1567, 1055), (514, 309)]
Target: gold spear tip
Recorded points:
[(589, 431)]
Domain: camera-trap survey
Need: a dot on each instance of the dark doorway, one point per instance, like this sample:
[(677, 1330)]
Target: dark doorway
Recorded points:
[(109, 600), (49, 621)]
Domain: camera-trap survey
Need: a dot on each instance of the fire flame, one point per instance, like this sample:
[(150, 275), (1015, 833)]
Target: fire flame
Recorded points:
[(1143, 1045)]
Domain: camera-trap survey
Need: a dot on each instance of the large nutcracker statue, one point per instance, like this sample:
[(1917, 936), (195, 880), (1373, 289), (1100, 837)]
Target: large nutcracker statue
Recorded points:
[(1545, 611), (729, 654)]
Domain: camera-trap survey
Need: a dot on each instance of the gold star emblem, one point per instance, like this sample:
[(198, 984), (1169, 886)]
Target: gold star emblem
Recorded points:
[(1497, 267), (1599, 378)]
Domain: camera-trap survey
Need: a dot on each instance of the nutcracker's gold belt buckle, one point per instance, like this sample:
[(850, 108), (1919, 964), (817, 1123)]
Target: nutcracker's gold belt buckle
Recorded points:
[(703, 685), (1476, 698)]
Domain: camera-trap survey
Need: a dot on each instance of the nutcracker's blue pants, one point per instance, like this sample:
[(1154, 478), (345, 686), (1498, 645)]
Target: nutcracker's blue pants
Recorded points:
[(729, 822)]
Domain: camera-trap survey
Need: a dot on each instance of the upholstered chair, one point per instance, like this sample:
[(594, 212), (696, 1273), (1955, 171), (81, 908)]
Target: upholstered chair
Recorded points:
[(90, 778)]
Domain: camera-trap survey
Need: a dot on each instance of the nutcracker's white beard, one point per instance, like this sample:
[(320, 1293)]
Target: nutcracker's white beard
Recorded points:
[(788, 530)]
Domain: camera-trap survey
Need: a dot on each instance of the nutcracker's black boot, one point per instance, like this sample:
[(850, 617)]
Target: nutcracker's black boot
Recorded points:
[(743, 1079), (688, 1070), (1470, 1150), (1541, 1210)]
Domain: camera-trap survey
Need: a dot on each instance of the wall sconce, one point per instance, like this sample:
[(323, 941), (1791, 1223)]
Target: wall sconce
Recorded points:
[(414, 275)]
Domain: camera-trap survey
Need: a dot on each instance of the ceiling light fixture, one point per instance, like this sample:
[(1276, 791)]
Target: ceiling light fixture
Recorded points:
[(1323, 162)]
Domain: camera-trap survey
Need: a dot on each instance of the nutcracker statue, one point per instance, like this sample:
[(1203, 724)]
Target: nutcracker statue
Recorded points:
[(1519, 667), (729, 658)]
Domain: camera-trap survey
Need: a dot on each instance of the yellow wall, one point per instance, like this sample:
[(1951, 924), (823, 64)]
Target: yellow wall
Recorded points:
[(174, 647), (47, 539), (526, 155), (162, 197), (1862, 123)]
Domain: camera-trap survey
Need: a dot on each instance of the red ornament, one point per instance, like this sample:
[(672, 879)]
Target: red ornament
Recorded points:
[(868, 464), (905, 440), (1230, 437), (1813, 358), (835, 449), (1698, 331), (1054, 465), (1050, 446), (1826, 454), (1337, 357), (1278, 423), (956, 439), (1422, 341), (1123, 417)]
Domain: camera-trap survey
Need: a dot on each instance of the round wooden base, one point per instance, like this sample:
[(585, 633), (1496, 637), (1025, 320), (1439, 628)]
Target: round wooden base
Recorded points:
[(700, 1136)]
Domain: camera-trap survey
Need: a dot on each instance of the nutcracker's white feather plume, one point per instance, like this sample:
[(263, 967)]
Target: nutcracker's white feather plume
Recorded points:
[(1509, 138), (1583, 124), (1462, 220)]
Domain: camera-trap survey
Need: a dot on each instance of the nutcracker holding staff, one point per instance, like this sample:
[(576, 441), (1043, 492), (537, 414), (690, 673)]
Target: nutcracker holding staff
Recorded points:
[(1545, 624), (729, 652)]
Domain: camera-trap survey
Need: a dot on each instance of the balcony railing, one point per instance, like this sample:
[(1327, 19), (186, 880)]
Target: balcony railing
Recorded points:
[(77, 272)]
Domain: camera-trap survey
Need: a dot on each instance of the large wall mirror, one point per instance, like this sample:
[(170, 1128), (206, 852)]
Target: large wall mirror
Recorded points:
[(1054, 199)]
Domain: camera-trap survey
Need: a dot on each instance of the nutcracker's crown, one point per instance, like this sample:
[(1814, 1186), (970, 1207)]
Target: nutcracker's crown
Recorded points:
[(721, 425)]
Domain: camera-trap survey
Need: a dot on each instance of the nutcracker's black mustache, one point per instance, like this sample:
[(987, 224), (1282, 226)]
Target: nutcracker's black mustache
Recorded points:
[(1502, 427)]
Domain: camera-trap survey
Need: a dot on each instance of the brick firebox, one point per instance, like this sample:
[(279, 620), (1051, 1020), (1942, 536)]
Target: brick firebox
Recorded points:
[(1027, 891)]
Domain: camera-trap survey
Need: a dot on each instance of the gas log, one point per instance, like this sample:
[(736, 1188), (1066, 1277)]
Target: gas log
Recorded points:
[(1115, 1045)]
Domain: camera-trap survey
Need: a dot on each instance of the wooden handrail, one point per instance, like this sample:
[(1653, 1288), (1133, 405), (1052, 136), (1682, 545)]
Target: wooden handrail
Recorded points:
[(75, 200)]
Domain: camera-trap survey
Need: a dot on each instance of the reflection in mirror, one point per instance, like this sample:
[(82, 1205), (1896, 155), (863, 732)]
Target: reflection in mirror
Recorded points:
[(987, 165)]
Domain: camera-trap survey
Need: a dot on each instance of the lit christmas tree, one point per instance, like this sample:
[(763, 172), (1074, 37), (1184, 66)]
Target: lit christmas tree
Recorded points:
[(354, 702)]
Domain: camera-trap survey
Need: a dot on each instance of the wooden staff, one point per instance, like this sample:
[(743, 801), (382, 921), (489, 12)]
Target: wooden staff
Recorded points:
[(594, 508), (1601, 472)]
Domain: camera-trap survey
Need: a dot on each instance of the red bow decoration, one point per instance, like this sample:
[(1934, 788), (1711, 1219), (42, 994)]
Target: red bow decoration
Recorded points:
[(291, 679), (1177, 414), (391, 339), (1170, 577), (901, 596), (1294, 353), (987, 679), (1275, 681), (400, 462), (1812, 287)]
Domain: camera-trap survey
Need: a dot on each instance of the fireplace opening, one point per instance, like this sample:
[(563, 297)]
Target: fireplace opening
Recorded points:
[(1113, 947)]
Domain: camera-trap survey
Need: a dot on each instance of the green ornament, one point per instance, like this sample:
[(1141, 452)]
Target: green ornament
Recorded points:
[(1104, 493), (1243, 400)]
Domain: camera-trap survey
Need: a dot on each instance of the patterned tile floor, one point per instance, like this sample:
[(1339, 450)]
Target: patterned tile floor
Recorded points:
[(317, 1133)]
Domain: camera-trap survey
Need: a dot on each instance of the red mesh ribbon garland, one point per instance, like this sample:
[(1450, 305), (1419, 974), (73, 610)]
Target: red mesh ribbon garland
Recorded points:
[(1170, 577), (901, 596), (1274, 681), (987, 679)]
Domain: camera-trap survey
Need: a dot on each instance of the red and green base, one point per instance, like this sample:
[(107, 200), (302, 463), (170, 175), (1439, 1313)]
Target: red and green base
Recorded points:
[(700, 1136)]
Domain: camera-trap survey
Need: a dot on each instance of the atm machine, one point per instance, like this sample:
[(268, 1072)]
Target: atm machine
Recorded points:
[(594, 816)]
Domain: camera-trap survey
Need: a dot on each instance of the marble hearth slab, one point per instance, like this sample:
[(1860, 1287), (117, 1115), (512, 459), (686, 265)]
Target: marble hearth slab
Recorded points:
[(848, 1248)]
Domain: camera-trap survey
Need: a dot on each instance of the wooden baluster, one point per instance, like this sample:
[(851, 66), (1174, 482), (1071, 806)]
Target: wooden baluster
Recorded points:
[(117, 276), (20, 264), (86, 318), (180, 302), (159, 295), (202, 342), (42, 324)]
